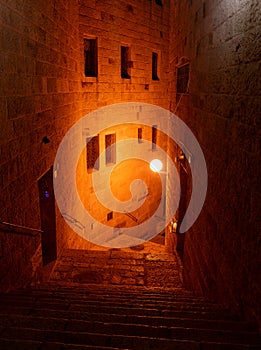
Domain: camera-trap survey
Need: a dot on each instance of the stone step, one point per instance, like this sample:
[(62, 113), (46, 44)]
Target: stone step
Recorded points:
[(130, 329), (78, 257), (14, 318), (129, 306), (114, 303), (118, 300), (117, 267), (31, 307), (78, 254), (105, 295), (184, 319), (139, 291), (114, 341), (11, 344)]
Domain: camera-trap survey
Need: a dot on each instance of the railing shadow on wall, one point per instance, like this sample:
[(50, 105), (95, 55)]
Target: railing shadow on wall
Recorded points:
[(20, 255)]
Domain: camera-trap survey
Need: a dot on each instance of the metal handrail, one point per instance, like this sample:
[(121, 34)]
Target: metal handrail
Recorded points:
[(17, 229), (131, 216), (73, 220)]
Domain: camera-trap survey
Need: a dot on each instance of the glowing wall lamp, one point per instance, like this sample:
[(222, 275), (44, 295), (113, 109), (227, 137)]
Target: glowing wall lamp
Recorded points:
[(156, 165)]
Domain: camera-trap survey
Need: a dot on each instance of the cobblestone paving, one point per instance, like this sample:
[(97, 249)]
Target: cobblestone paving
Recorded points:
[(118, 267)]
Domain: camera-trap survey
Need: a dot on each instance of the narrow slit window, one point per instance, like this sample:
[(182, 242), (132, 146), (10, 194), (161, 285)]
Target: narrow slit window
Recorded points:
[(154, 137), (182, 79), (139, 135), (92, 151), (125, 62), (110, 145), (90, 58), (155, 66)]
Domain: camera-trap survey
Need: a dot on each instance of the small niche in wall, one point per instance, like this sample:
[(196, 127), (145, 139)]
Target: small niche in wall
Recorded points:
[(130, 8), (110, 216), (204, 9), (159, 2)]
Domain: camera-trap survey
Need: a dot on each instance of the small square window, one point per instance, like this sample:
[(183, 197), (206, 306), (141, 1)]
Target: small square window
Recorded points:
[(90, 58)]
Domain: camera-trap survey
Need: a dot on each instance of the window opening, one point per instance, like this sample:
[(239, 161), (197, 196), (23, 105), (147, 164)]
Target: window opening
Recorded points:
[(182, 79), (159, 2), (140, 135), (110, 216), (155, 66), (125, 62), (110, 146), (154, 137), (90, 58), (92, 152)]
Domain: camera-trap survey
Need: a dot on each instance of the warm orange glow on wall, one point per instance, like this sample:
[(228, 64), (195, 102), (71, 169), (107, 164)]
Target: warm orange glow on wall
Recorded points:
[(120, 180)]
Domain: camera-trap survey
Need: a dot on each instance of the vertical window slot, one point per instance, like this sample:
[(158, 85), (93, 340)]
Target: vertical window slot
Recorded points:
[(92, 152), (125, 62), (90, 58), (154, 137), (110, 146), (155, 66)]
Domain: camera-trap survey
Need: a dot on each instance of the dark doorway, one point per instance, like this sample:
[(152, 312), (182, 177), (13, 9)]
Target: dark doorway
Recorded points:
[(185, 189), (48, 218)]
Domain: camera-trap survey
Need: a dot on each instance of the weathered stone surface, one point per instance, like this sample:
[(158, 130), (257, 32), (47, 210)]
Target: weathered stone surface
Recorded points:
[(110, 317), (222, 43), (43, 91), (123, 268)]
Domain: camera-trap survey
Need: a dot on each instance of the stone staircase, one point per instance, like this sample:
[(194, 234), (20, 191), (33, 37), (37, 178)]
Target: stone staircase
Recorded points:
[(109, 300), (117, 267)]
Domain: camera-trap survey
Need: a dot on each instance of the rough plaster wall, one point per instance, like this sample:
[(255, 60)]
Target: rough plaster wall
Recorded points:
[(222, 41), (39, 96)]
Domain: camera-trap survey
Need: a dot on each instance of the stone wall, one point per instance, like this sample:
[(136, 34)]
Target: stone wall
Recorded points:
[(221, 39), (43, 88), (91, 183), (144, 27), (19, 252), (39, 96)]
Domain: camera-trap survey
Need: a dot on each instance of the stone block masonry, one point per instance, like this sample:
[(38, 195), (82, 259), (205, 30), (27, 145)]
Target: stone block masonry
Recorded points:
[(40, 96), (143, 27), (43, 88), (221, 40)]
